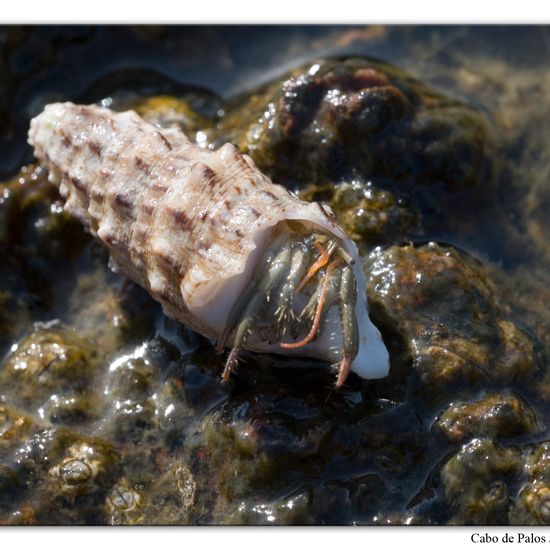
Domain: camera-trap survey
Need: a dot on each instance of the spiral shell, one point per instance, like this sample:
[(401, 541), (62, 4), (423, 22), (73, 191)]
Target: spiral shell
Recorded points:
[(186, 223)]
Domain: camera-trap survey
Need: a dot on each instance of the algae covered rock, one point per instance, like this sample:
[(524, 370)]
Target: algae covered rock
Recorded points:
[(123, 505), (274, 441), (142, 401), (167, 111), (532, 506), (491, 415), (358, 117), (369, 215), (62, 476), (116, 416), (169, 498), (192, 110), (440, 304), (86, 468), (37, 242), (479, 481), (15, 427), (130, 384), (387, 153), (53, 360)]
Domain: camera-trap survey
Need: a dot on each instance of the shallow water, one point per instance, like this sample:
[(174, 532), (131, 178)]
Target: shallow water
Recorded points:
[(117, 415)]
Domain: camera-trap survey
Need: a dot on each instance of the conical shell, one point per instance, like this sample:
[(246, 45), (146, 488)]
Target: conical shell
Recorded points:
[(186, 223)]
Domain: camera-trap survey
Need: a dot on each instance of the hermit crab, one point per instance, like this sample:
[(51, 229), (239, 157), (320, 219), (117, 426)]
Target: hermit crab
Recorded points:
[(227, 252)]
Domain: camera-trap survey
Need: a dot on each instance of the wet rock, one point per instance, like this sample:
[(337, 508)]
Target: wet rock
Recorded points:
[(51, 360), (86, 468), (166, 111), (61, 476), (277, 445), (107, 309), (36, 240), (229, 455), (479, 481), (366, 492), (493, 415), (123, 505), (273, 439), (289, 510), (15, 428), (532, 506), (25, 514), (72, 409), (130, 385), (170, 498), (144, 403), (252, 449), (440, 304), (395, 159), (358, 117), (9, 488), (365, 498), (48, 449), (200, 381), (72, 475), (370, 216), (190, 111), (132, 420), (33, 225)]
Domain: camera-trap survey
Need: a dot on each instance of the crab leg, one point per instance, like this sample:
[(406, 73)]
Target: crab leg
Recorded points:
[(350, 330), (319, 311), (286, 297), (241, 333), (280, 244), (276, 272), (307, 315)]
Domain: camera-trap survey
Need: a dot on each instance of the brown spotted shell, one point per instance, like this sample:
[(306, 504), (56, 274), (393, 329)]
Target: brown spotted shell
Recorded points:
[(186, 223)]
